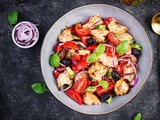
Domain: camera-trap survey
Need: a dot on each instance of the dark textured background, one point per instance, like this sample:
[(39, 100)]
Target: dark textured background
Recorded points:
[(20, 68)]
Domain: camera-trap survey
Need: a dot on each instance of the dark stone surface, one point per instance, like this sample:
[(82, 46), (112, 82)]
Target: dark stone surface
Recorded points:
[(20, 68)]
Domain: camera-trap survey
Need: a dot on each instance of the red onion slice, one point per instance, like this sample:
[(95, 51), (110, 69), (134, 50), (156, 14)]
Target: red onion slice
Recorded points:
[(80, 43), (127, 74), (131, 64), (107, 45), (113, 54), (134, 82), (61, 68), (25, 33), (129, 56)]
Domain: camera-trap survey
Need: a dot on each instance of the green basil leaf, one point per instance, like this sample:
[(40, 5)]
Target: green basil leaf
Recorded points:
[(39, 88), (13, 17), (100, 49), (122, 48), (91, 89), (138, 116), (92, 57), (55, 60), (104, 84)]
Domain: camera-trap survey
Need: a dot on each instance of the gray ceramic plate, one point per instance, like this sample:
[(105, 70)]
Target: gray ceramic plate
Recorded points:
[(81, 14)]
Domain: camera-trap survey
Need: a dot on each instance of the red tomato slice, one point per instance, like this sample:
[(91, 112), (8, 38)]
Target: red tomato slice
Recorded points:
[(88, 82), (84, 39), (75, 96), (95, 83), (112, 39), (101, 90), (79, 66), (85, 57), (71, 45), (72, 29), (56, 74), (80, 31), (80, 85), (108, 20), (120, 69), (59, 48), (76, 57), (109, 51), (92, 47)]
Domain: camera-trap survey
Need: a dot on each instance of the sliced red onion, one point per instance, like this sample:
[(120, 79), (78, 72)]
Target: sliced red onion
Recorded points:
[(25, 33), (127, 74), (80, 43), (134, 82), (129, 56), (78, 74), (95, 24), (131, 64), (113, 54), (107, 45), (61, 68)]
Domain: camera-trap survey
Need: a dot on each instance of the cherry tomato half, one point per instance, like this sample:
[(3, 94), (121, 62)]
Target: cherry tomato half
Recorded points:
[(76, 57), (84, 39), (85, 57), (80, 85), (80, 65), (112, 39), (71, 45), (109, 51), (108, 20), (120, 69), (56, 74), (80, 31), (59, 48), (100, 90), (75, 96), (92, 47)]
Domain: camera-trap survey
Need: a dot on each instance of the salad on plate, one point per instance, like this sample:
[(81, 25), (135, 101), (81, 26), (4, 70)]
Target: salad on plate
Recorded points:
[(95, 60)]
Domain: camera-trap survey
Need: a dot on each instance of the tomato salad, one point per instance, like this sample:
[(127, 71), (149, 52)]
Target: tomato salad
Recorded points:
[(95, 61)]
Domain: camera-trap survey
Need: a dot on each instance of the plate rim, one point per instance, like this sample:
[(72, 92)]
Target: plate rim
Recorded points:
[(148, 74)]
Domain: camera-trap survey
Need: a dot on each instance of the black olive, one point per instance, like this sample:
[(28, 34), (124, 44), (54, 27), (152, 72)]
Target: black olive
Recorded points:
[(115, 75), (91, 41), (104, 97), (136, 52), (66, 61)]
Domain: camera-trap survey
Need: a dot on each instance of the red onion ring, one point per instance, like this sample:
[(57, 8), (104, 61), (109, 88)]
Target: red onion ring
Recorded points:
[(131, 64), (25, 34), (127, 74), (61, 68), (134, 82), (107, 45)]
